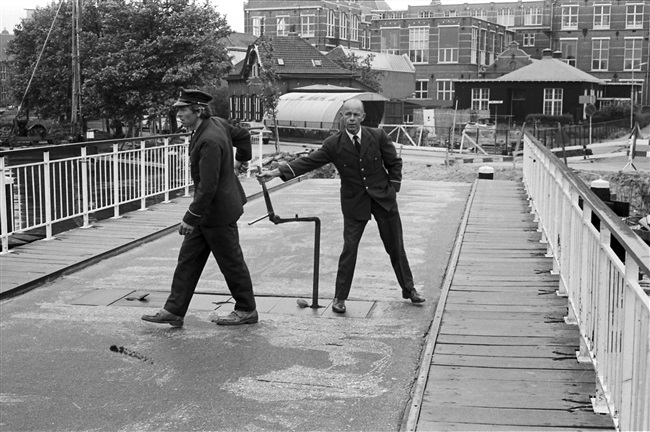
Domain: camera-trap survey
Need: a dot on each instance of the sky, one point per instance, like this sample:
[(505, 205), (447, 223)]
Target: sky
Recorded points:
[(12, 11)]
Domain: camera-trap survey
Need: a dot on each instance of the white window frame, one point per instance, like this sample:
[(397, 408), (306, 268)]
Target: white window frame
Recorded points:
[(506, 17), (480, 99), (447, 55), (553, 101), (331, 23), (257, 24), (343, 25), (634, 16), (533, 16), (602, 16), (528, 39), (569, 17), (633, 53), (419, 44), (354, 28), (384, 48), (574, 42), (445, 89), (421, 89), (282, 25), (600, 54), (308, 25), (474, 46)]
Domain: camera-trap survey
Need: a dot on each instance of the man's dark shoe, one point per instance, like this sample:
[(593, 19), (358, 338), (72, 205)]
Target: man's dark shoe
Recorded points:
[(164, 317), (238, 317), (338, 306), (413, 296)]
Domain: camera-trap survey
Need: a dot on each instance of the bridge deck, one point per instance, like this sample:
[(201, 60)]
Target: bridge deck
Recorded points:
[(504, 359)]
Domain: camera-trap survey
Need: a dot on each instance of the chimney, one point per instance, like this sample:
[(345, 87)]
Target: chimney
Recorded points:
[(547, 54), (557, 54)]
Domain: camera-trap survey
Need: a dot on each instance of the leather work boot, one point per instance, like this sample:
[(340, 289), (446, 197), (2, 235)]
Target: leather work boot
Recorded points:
[(238, 317), (413, 296), (338, 306), (164, 317)]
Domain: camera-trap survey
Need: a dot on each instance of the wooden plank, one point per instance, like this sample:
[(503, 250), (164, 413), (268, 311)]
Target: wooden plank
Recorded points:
[(454, 413), (462, 426), (572, 339), (526, 351), (485, 327), (493, 363), (468, 373)]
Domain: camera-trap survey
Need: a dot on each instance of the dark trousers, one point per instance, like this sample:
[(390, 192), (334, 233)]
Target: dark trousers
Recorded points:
[(390, 231), (223, 242)]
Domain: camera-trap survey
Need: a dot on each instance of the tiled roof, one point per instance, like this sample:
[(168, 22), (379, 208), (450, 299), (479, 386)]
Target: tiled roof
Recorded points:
[(240, 40), (299, 58), (549, 70)]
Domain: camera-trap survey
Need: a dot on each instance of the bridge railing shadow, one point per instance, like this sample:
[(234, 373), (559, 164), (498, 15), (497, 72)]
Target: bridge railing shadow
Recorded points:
[(604, 270)]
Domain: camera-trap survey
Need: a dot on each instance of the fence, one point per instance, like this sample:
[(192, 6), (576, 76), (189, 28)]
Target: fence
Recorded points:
[(603, 268), (578, 135), (97, 176)]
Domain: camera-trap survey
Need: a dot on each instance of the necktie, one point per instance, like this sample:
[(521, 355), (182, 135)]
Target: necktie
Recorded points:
[(356, 144)]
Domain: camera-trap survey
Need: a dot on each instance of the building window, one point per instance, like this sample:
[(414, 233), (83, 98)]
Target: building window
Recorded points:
[(282, 25), (448, 44), (364, 44), (529, 39), (390, 40), (569, 48), (449, 13), (634, 16), (445, 90), (419, 44), (506, 17), (602, 17), (599, 54), (255, 70), (422, 89), (482, 47), (257, 108), (478, 13), (308, 25), (354, 30), (570, 17), (480, 98), (258, 26), (632, 59), (343, 33), (474, 46), (553, 101), (331, 23), (533, 16)]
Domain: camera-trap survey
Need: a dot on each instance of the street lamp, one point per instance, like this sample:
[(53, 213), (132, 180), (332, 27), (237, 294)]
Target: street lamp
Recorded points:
[(632, 94)]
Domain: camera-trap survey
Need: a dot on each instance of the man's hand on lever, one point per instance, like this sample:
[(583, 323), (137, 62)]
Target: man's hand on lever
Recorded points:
[(266, 176)]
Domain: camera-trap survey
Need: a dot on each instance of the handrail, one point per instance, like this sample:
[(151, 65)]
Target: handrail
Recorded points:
[(601, 263), (75, 180)]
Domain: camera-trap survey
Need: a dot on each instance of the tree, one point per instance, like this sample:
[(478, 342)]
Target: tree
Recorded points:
[(368, 75), (134, 57), (269, 78)]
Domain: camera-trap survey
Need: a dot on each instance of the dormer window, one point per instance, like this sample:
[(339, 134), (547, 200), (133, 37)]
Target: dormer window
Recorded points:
[(317, 62), (281, 62)]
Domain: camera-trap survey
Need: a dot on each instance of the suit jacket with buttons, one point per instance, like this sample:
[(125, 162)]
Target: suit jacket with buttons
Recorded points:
[(374, 174), (219, 197)]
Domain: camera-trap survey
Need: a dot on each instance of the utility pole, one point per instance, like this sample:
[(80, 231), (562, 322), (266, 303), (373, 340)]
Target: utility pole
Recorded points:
[(75, 118)]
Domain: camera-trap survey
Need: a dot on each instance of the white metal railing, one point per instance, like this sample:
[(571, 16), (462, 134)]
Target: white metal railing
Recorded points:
[(603, 267), (44, 186)]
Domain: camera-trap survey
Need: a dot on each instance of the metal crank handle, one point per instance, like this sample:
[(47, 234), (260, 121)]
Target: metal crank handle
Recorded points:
[(258, 219)]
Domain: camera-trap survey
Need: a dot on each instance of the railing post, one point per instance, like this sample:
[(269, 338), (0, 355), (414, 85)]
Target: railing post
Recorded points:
[(166, 170), (4, 208), (85, 207), (186, 165), (143, 176), (116, 182), (47, 190)]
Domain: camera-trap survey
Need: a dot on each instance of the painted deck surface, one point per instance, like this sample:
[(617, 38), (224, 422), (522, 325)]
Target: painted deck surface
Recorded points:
[(504, 359)]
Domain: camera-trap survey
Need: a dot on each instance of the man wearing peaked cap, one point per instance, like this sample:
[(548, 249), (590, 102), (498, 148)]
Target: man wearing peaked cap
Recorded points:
[(192, 97), (210, 224)]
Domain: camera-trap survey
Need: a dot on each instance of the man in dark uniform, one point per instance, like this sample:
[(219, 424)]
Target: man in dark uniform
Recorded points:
[(371, 174), (210, 224)]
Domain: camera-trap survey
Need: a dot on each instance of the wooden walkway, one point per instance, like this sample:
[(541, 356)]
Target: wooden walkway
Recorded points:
[(503, 358)]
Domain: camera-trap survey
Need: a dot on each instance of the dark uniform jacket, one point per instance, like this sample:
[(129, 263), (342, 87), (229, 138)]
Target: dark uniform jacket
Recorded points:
[(374, 174), (218, 195)]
